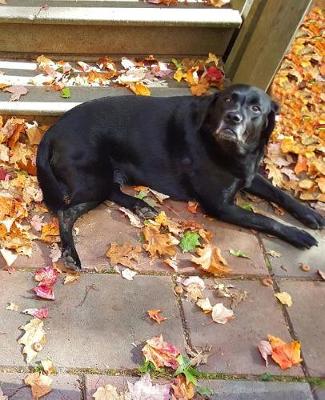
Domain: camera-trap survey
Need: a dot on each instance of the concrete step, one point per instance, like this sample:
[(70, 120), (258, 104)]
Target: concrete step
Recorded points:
[(41, 100), (114, 27)]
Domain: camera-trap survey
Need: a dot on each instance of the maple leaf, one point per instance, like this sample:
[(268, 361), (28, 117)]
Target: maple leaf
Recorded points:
[(44, 292), (162, 244), (161, 353), (46, 275), (144, 389), (33, 338), (221, 314), (189, 241), (125, 254), (40, 384), (211, 260), (284, 298), (17, 92), (156, 316), (285, 354), (140, 89), (186, 368)]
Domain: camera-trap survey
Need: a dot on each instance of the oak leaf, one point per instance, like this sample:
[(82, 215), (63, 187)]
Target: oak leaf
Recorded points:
[(162, 244), (125, 254)]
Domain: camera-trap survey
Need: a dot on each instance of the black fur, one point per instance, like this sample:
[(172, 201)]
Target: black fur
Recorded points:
[(203, 148)]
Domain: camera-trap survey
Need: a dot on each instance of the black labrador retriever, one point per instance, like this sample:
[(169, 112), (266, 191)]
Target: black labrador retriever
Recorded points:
[(203, 148)]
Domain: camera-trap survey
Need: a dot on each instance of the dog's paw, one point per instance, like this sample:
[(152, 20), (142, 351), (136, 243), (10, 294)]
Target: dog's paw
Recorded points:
[(312, 219), (300, 238), (145, 212), (71, 259)]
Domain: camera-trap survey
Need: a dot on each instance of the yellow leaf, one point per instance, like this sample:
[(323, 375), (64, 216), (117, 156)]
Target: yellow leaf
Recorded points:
[(284, 298), (162, 244), (33, 338), (140, 89), (179, 75), (211, 260)]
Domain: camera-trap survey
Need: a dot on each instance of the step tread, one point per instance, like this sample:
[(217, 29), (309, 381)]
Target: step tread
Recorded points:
[(200, 17)]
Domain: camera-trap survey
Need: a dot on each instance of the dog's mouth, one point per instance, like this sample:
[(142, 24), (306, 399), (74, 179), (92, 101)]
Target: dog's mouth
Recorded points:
[(226, 133)]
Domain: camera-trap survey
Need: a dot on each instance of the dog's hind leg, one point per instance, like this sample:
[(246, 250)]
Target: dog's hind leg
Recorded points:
[(67, 218), (138, 206)]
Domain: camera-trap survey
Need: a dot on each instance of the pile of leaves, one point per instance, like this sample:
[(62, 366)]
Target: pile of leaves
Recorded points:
[(295, 157), (214, 3), (138, 75)]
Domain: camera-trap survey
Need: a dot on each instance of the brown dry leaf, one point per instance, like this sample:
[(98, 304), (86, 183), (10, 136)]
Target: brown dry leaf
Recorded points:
[(71, 277), (161, 353), (321, 274), (284, 298), (192, 206), (182, 390), (125, 254), (50, 231), (205, 305), (40, 384), (134, 219), (172, 262), (265, 349), (140, 89), (17, 92), (107, 392), (159, 196), (156, 315), (162, 244), (221, 314), (34, 133), (211, 260), (33, 339)]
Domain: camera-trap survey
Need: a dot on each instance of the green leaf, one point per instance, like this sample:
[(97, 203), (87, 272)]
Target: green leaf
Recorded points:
[(141, 195), (204, 391), (176, 63), (238, 253), (189, 241), (146, 366), (65, 93), (266, 377), (247, 206), (186, 369)]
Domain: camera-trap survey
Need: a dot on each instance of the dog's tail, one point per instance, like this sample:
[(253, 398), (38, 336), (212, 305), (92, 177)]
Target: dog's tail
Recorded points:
[(52, 191)]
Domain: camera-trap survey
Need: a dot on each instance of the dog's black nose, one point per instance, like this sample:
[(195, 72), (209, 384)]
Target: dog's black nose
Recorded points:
[(234, 117)]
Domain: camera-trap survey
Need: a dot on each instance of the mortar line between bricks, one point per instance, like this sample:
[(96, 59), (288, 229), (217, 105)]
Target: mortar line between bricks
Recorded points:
[(82, 387), (186, 332), (239, 277)]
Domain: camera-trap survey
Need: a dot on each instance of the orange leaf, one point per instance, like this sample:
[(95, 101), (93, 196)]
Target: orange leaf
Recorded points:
[(139, 89), (124, 254), (285, 354), (192, 206), (211, 260), (161, 353), (155, 315), (162, 244), (301, 164), (182, 390), (50, 231)]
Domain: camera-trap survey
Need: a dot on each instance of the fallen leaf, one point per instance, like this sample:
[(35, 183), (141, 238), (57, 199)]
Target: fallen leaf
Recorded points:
[(48, 367), (50, 231), (125, 254), (33, 133), (273, 253), (211, 260), (284, 298), (46, 276), (161, 353), (134, 219), (221, 314), (238, 253), (71, 277), (55, 252), (144, 389), (33, 337), (192, 206), (140, 89), (40, 384), (40, 313), (156, 315), (267, 282), (17, 92), (194, 280), (37, 222), (189, 241), (128, 274), (159, 196), (321, 274), (205, 305), (65, 93), (181, 390), (9, 256), (172, 262), (219, 3), (12, 307), (162, 244), (285, 354), (44, 292), (265, 349), (304, 267), (107, 392)]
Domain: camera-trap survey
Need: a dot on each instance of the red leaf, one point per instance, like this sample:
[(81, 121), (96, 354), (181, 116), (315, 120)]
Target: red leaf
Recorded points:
[(45, 292)]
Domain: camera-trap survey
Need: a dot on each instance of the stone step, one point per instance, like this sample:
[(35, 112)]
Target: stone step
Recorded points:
[(114, 27)]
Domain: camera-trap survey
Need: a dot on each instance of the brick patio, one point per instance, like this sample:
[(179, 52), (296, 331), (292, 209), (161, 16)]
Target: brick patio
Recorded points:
[(95, 337)]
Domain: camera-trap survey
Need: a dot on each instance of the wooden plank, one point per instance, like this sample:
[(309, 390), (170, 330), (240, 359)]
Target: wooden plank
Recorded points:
[(263, 40)]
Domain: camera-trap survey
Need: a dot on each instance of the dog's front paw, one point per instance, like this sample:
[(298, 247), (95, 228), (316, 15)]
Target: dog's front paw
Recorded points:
[(71, 259), (300, 238), (312, 219), (145, 212)]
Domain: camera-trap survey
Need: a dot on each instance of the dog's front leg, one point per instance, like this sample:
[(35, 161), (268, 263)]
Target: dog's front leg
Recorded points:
[(263, 188)]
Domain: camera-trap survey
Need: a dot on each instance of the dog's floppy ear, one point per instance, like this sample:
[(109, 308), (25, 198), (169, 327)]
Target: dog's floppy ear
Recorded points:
[(275, 107), (270, 122)]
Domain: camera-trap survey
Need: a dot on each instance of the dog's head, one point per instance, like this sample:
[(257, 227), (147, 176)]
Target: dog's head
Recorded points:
[(243, 118)]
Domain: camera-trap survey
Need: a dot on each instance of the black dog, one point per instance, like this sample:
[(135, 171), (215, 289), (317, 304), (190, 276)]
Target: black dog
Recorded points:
[(203, 148)]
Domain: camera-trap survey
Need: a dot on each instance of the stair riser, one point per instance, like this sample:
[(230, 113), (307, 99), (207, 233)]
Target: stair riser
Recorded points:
[(35, 39)]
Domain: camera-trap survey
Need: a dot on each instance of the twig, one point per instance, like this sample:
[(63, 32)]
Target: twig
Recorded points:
[(88, 288)]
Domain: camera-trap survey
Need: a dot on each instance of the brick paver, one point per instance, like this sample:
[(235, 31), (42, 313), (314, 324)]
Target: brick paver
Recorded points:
[(307, 316), (64, 387), (234, 345)]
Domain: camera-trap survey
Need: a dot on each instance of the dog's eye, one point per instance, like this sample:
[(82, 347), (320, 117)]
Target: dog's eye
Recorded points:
[(256, 109), (228, 99)]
